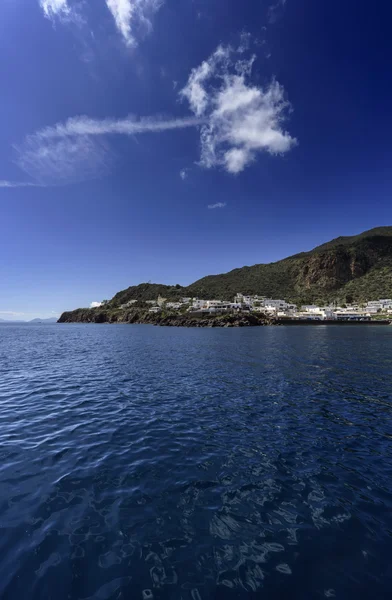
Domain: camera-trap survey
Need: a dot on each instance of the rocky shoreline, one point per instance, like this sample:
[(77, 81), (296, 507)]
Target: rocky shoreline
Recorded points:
[(165, 319)]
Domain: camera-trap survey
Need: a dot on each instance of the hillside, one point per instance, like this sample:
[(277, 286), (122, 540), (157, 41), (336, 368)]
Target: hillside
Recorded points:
[(347, 269), (356, 268)]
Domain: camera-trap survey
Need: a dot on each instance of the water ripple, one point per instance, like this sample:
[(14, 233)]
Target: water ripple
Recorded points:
[(153, 463)]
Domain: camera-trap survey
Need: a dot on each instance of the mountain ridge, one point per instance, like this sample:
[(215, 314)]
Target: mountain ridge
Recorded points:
[(347, 269), (358, 266)]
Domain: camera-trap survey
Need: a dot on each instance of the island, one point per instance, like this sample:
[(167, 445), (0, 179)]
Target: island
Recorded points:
[(347, 280)]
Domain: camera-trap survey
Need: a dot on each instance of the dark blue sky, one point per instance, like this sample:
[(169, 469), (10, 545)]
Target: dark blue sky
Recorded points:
[(121, 195)]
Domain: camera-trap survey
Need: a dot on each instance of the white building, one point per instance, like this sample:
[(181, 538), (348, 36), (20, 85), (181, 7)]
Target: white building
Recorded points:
[(352, 315), (216, 306), (197, 303), (310, 316), (272, 305), (235, 305), (249, 300), (155, 309), (221, 307), (317, 314), (311, 308), (375, 306), (260, 309), (212, 303), (387, 303)]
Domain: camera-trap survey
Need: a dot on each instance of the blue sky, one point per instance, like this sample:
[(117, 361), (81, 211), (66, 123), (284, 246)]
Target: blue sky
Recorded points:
[(164, 140)]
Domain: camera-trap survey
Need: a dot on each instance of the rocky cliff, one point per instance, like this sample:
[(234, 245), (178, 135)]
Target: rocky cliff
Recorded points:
[(347, 269), (108, 315)]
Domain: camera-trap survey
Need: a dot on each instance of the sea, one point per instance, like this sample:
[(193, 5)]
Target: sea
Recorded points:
[(154, 463)]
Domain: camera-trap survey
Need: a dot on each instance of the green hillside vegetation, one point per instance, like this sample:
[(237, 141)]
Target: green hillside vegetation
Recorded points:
[(147, 291), (347, 269), (350, 240)]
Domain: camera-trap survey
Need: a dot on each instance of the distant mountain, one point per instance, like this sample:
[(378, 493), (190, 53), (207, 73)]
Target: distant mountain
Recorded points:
[(50, 320), (346, 269)]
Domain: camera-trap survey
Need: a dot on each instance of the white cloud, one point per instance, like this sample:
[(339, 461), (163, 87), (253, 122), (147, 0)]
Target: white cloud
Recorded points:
[(241, 118), (184, 174), (95, 304), (236, 160), (245, 42), (16, 184), (55, 8), (133, 16), (67, 152), (237, 118), (64, 12), (82, 126), (195, 90), (217, 205)]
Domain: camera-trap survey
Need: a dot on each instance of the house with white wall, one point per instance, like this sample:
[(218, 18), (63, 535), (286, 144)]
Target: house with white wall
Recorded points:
[(174, 305), (155, 309), (197, 303)]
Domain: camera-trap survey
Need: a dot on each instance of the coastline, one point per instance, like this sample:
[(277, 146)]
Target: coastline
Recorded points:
[(166, 319), (330, 322), (172, 319)]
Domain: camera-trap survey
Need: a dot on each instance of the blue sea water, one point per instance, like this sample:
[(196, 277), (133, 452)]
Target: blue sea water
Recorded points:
[(161, 463)]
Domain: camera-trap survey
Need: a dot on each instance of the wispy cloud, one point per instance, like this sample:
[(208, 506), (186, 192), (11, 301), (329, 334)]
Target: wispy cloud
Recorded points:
[(55, 8), (81, 126), (217, 205), (11, 313), (60, 161), (237, 119), (70, 152), (241, 118), (17, 184), (275, 11), (184, 174), (62, 11), (133, 16)]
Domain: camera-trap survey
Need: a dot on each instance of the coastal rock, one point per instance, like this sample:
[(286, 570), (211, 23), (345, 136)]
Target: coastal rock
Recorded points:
[(98, 315)]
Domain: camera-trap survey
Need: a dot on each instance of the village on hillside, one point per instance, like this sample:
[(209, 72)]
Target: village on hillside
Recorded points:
[(276, 308)]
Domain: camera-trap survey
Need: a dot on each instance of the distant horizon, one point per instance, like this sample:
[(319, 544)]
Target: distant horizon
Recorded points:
[(13, 320), (12, 315)]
